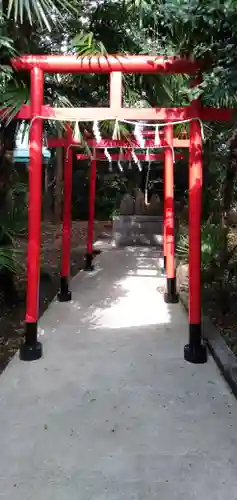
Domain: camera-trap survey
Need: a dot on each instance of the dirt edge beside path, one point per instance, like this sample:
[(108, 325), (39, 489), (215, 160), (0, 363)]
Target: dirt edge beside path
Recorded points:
[(12, 319)]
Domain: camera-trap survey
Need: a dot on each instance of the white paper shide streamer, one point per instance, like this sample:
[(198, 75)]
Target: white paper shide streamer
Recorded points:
[(147, 155), (138, 134), (108, 156), (77, 133), (96, 131), (157, 136), (120, 166), (119, 160), (135, 159), (116, 131)]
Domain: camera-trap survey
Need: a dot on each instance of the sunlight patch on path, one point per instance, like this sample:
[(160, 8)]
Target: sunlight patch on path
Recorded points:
[(139, 303)]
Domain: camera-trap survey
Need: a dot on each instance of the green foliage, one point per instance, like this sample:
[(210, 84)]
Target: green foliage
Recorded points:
[(85, 44), (14, 95), (182, 247), (38, 11), (9, 260), (13, 223), (213, 243), (213, 239)]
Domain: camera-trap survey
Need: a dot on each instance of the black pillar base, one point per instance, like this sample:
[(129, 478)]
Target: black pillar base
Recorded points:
[(195, 352), (64, 295), (171, 297), (88, 262), (31, 350), (164, 262)]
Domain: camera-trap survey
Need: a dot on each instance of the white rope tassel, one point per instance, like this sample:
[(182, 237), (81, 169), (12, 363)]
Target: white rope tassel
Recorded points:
[(129, 165), (134, 156), (157, 136), (139, 166), (77, 133), (107, 154), (115, 135), (119, 160), (120, 166), (147, 155), (96, 131), (138, 134), (135, 159)]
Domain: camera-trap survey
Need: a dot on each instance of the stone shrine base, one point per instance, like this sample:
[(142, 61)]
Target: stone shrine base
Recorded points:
[(138, 230)]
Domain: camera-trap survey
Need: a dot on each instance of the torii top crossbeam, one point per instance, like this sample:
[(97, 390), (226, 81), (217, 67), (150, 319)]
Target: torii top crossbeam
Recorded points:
[(116, 65), (107, 64)]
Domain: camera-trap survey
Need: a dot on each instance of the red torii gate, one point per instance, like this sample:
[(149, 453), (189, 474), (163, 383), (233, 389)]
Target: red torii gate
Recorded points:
[(170, 297), (194, 351), (129, 144)]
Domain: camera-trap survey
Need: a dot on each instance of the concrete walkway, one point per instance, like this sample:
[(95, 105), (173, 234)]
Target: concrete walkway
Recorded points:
[(112, 411)]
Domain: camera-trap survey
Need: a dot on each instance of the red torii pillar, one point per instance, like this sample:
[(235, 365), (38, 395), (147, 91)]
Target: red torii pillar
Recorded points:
[(170, 296), (91, 215), (164, 221), (31, 349), (195, 351), (65, 294)]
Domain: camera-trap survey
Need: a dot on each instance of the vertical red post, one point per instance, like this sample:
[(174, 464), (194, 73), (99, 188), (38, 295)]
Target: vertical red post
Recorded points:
[(171, 296), (164, 217), (195, 351), (64, 294), (32, 349), (90, 232)]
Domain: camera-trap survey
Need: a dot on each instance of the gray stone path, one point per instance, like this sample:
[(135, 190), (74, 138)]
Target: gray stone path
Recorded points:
[(112, 411)]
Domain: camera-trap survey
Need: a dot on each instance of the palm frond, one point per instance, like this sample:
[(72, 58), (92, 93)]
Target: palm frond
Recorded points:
[(12, 98), (40, 10), (85, 44)]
